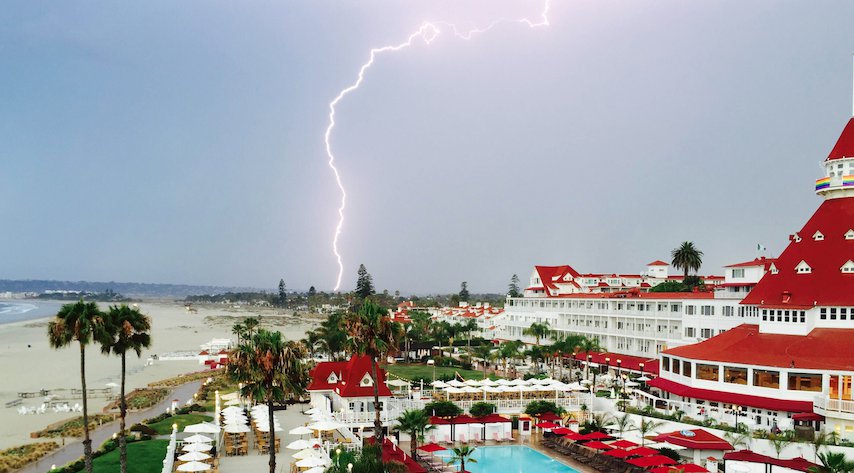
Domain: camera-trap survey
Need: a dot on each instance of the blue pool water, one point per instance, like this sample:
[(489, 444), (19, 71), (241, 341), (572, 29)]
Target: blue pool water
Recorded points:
[(510, 459)]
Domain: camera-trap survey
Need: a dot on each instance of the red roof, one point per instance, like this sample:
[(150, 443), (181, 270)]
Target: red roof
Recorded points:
[(549, 416), (845, 144), (658, 262), (697, 439), (825, 284), (771, 404), (808, 417), (822, 348), (799, 463), (549, 275), (349, 376), (629, 362), (763, 261)]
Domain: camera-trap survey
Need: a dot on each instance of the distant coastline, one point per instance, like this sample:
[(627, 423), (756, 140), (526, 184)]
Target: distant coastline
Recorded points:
[(19, 310)]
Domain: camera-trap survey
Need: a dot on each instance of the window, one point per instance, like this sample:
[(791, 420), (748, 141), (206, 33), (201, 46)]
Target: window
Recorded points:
[(735, 375), (690, 332), (676, 367), (803, 268), (848, 267), (686, 369), (728, 311), (690, 309), (707, 310), (804, 382), (706, 333), (738, 273), (833, 313), (766, 378), (817, 236), (665, 363), (823, 314), (707, 372), (849, 235)]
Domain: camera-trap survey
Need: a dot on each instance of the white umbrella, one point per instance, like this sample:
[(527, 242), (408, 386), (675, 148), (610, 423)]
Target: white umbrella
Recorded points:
[(632, 384), (307, 453), (470, 390), (198, 439), (317, 469), (194, 466), (301, 430), (236, 429), (455, 383), (194, 457), (397, 383), (644, 378), (313, 461), (196, 447), (313, 410), (489, 382), (232, 409), (325, 425), (504, 382), (517, 382), (453, 390), (203, 428), (491, 389), (439, 384), (472, 382), (302, 444), (266, 428)]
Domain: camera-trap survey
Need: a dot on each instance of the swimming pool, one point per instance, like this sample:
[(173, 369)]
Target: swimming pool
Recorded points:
[(510, 459)]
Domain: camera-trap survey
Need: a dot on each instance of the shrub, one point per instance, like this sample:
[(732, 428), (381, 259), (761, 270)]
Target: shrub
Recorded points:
[(670, 453), (535, 408), (143, 429), (442, 409), (481, 409)]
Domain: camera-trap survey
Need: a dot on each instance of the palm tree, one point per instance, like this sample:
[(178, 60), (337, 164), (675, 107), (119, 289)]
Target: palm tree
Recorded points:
[(781, 441), (833, 462), (373, 333), (83, 323), (821, 439), (687, 257), (239, 330), (129, 332), (598, 422), (485, 353), (538, 330), (738, 439), (271, 369), (463, 454), (414, 422), (508, 350), (647, 427), (586, 346), (251, 323), (624, 423)]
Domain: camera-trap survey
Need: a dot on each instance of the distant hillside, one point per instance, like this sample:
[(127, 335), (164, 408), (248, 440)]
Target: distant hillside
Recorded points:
[(129, 289)]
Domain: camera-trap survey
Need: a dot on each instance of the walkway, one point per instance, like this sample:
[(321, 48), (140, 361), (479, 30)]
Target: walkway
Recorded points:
[(73, 448)]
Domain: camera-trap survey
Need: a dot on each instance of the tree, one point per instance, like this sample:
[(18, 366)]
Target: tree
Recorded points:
[(239, 330), (463, 454), (283, 293), (587, 346), (647, 427), (780, 441), (312, 291), (251, 323), (508, 350), (513, 288), (597, 423), (738, 439), (481, 408), (670, 286), (83, 323), (687, 257), (414, 422), (271, 370), (485, 353), (821, 439), (129, 330), (538, 330), (624, 423), (373, 333), (332, 337), (442, 409), (833, 462), (364, 283), (464, 291), (535, 408)]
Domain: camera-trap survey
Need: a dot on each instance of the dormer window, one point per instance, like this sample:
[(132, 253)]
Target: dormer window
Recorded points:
[(332, 379), (848, 267), (796, 238), (366, 381), (773, 269), (818, 236), (849, 235), (803, 268)]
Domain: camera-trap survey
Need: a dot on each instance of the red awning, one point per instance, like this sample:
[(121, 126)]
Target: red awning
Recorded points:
[(697, 439), (438, 421), (808, 417), (768, 403), (655, 460), (799, 463), (686, 468)]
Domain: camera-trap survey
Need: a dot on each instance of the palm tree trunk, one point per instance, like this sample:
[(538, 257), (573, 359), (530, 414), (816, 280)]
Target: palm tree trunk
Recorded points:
[(123, 409), (413, 443), (272, 424), (87, 442), (378, 424)]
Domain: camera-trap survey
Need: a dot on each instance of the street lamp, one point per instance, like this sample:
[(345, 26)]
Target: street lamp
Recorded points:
[(737, 410), (619, 377)]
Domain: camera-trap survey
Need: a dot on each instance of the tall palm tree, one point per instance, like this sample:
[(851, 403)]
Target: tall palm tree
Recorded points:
[(508, 350), (687, 257), (414, 422), (463, 454), (373, 333), (251, 323), (271, 369), (239, 330), (538, 330), (586, 346), (782, 440), (83, 323), (129, 331), (648, 427), (821, 439), (624, 423), (485, 353)]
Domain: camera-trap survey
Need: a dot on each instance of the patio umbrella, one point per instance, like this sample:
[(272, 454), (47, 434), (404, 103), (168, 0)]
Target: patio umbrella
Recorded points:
[(618, 453), (632, 384), (623, 444), (397, 383), (302, 444), (196, 447), (431, 447), (489, 382), (686, 468), (325, 425), (597, 445), (643, 451), (503, 382), (439, 384), (455, 383), (232, 409), (313, 462), (193, 457), (644, 378), (561, 431), (472, 382), (197, 438), (654, 460), (595, 436), (202, 428), (301, 430), (266, 428), (547, 425), (306, 453), (194, 466), (236, 429)]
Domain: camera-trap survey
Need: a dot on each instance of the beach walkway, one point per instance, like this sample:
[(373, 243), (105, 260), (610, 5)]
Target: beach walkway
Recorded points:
[(73, 448)]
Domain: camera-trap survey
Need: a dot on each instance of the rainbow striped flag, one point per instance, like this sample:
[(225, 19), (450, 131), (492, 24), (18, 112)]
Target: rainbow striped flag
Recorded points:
[(848, 180), (823, 183)]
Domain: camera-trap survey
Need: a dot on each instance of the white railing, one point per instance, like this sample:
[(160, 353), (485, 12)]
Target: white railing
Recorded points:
[(169, 460), (826, 403)]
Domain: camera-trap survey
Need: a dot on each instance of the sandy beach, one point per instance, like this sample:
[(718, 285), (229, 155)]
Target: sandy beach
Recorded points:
[(27, 363)]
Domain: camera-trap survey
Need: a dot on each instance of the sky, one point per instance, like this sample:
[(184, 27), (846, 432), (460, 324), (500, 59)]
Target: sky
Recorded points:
[(182, 142)]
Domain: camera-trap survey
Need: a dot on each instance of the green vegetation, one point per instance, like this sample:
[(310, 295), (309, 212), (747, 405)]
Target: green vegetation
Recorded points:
[(17, 457), (670, 286), (535, 408), (164, 427), (687, 257), (442, 409), (145, 457), (425, 372), (74, 427), (463, 454), (479, 409), (414, 422)]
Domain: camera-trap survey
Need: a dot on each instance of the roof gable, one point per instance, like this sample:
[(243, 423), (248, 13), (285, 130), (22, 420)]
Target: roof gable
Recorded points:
[(844, 147)]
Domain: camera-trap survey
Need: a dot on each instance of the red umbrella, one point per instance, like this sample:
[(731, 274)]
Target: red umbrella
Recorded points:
[(618, 453), (573, 435), (654, 460), (547, 425), (598, 445), (561, 431), (594, 436), (431, 447), (686, 468), (623, 444), (643, 451)]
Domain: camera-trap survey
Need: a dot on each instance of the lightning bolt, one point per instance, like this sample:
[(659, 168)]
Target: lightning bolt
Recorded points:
[(427, 32)]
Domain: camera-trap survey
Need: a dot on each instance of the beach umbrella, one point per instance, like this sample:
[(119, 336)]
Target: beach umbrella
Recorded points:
[(202, 428), (503, 382), (439, 384), (455, 383), (643, 451), (489, 382), (397, 383), (313, 462), (194, 457), (194, 466), (597, 445), (623, 444), (196, 447), (686, 468), (301, 430), (302, 444), (654, 460), (472, 382), (266, 428), (232, 409), (197, 438), (325, 425), (306, 453), (236, 429), (431, 447)]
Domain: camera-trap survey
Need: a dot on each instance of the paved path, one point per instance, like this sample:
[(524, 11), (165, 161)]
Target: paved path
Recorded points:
[(73, 448)]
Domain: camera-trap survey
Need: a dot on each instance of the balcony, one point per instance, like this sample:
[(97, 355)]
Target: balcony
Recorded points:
[(835, 408)]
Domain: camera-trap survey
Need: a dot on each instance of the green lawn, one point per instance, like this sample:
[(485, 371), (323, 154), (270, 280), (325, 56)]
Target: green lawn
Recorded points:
[(426, 371), (164, 427), (143, 457)]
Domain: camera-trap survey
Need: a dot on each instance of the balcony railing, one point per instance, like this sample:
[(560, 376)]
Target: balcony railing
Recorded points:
[(826, 403)]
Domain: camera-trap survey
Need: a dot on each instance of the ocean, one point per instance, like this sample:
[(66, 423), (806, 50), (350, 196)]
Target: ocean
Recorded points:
[(18, 310)]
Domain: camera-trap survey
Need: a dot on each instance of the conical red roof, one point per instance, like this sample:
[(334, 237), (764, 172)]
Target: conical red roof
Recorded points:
[(845, 144)]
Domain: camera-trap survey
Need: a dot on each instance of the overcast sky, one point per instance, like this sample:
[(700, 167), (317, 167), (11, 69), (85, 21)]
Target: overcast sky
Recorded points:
[(182, 142)]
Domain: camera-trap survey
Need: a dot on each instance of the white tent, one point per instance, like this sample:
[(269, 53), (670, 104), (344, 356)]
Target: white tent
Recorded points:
[(202, 428), (194, 466)]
